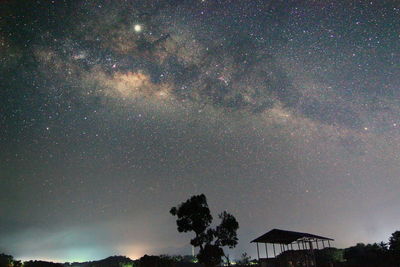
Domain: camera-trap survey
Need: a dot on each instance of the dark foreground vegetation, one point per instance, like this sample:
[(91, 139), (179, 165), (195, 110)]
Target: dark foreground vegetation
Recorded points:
[(193, 215), (114, 261), (361, 255)]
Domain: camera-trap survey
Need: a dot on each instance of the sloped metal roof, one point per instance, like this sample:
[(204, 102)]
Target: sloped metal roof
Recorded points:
[(277, 236)]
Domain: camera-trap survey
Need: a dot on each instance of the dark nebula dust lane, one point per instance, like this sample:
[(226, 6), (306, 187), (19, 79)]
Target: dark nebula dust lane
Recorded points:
[(284, 113)]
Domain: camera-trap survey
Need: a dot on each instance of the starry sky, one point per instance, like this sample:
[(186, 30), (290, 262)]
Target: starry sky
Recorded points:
[(284, 113)]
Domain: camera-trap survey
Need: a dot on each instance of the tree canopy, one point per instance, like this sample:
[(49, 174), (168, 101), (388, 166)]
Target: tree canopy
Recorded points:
[(193, 215)]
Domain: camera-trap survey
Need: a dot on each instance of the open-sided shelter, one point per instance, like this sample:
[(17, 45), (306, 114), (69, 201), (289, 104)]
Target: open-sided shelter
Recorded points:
[(289, 247)]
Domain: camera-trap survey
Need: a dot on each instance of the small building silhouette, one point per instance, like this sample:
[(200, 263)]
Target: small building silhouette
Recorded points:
[(290, 248)]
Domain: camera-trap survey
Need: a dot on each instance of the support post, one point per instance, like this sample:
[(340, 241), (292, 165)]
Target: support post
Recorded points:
[(291, 253), (304, 253), (266, 250), (312, 253), (258, 252), (273, 246)]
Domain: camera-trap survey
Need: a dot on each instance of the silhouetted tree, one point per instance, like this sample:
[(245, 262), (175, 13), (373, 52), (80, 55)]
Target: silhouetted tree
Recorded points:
[(394, 246), (328, 255), (245, 260), (194, 216), (6, 260), (367, 255), (156, 261), (180, 258), (227, 260), (188, 258), (42, 264)]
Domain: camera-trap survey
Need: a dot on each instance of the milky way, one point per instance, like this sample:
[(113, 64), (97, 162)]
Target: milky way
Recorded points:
[(284, 113)]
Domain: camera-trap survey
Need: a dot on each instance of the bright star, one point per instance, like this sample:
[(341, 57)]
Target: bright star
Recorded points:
[(138, 28)]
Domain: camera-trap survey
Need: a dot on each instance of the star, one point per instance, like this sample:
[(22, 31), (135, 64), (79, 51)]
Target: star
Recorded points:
[(138, 28)]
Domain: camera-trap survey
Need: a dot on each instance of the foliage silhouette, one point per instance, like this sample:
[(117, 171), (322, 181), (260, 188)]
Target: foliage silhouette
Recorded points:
[(156, 261), (8, 260), (368, 255), (245, 260), (394, 246), (42, 264), (193, 215), (5, 260), (327, 256)]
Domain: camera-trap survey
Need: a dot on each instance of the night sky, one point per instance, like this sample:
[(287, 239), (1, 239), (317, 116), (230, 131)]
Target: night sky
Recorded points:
[(284, 113)]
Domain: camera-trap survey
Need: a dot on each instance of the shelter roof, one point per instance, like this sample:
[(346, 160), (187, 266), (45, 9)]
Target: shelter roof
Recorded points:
[(277, 236)]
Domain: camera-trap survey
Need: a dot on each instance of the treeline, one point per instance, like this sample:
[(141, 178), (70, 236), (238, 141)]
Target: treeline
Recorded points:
[(361, 255), (113, 261), (366, 255), (377, 254)]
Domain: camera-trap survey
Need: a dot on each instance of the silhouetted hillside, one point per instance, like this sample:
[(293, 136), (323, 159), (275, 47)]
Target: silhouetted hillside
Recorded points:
[(145, 261), (113, 261)]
